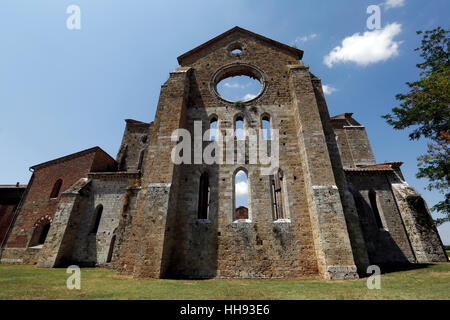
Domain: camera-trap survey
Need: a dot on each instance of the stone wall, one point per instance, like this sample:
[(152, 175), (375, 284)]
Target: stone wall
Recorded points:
[(390, 243), (354, 145), (359, 249), (38, 201), (423, 235), (134, 144), (107, 190), (163, 230), (20, 255), (39, 206), (259, 246), (60, 241), (144, 234)]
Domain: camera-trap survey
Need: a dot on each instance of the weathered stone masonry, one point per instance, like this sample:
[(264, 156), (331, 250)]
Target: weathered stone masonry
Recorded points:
[(140, 214)]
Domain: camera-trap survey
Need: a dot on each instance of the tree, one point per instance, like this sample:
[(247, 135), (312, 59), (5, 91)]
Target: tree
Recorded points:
[(425, 109)]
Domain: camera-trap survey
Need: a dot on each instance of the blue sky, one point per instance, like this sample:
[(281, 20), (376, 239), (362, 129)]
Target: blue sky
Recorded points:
[(239, 88), (241, 189), (64, 90)]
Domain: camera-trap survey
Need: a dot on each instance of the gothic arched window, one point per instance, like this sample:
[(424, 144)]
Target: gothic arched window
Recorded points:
[(213, 128), (241, 195), (265, 124), (239, 127), (276, 189), (203, 197)]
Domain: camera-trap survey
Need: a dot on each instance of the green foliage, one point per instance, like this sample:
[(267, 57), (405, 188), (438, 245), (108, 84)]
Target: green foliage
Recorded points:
[(238, 104), (425, 110)]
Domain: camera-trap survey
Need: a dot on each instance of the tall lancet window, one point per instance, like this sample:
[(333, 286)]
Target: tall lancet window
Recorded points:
[(204, 196), (239, 128), (276, 188), (241, 195), (265, 124), (213, 128)]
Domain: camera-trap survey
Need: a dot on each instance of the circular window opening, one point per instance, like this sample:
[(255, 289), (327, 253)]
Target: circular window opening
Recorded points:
[(238, 82), (236, 51), (239, 88)]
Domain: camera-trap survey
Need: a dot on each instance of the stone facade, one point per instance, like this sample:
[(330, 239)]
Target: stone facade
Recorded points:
[(340, 211), (44, 192)]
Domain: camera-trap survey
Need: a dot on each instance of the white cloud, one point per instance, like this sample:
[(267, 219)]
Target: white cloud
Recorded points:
[(305, 38), (394, 3), (236, 85), (370, 47), (328, 89), (232, 85), (241, 188), (248, 96), (241, 175)]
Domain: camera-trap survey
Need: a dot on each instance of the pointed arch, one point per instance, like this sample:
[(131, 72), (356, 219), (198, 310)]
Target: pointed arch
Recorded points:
[(41, 229), (278, 196), (266, 126), (44, 233), (213, 127), (239, 127)]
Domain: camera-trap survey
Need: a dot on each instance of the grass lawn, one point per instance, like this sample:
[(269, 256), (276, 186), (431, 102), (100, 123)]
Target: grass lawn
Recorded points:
[(28, 282)]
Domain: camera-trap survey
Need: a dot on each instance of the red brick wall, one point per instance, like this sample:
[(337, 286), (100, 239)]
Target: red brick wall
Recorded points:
[(38, 203), (241, 213), (6, 216), (103, 163)]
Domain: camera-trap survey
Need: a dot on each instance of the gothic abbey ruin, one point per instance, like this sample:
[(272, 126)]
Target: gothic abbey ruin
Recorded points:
[(328, 210)]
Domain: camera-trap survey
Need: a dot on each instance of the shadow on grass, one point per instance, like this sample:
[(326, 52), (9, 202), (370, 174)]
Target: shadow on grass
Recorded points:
[(385, 269), (396, 267)]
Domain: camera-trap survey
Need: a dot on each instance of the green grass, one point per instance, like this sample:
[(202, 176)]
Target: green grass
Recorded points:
[(29, 282)]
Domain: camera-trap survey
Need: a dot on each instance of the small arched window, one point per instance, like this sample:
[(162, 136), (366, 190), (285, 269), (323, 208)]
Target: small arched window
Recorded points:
[(44, 234), (213, 128), (375, 210), (204, 196), (239, 128), (56, 189), (265, 124), (97, 217), (40, 231)]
